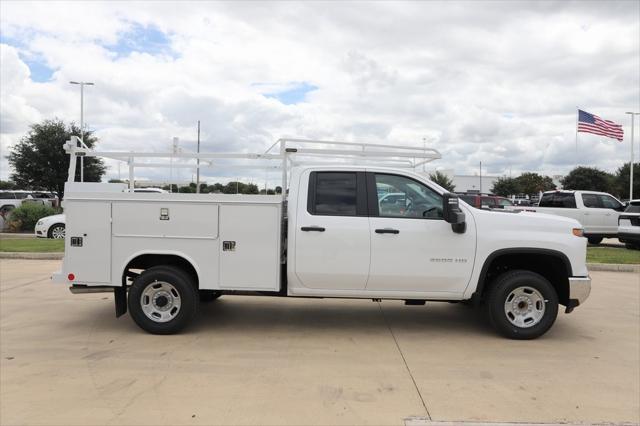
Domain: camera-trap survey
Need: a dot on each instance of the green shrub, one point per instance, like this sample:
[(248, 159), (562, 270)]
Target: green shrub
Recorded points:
[(28, 214)]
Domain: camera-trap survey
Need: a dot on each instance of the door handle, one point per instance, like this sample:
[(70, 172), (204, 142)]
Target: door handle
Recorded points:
[(387, 231), (312, 228)]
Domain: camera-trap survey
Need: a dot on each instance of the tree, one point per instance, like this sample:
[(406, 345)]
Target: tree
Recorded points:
[(533, 183), (588, 179), (7, 184), (443, 180), (39, 161), (622, 181), (505, 187)]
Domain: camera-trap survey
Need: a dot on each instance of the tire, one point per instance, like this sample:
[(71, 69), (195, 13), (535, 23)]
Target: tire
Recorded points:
[(594, 240), (632, 246), (56, 231), (522, 305), (207, 296), (163, 300)]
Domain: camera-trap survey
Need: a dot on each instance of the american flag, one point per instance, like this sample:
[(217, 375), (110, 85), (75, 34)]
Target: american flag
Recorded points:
[(589, 123)]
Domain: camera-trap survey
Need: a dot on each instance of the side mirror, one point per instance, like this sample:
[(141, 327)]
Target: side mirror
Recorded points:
[(453, 214)]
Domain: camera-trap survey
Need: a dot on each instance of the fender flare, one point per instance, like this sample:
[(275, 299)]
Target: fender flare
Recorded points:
[(482, 278)]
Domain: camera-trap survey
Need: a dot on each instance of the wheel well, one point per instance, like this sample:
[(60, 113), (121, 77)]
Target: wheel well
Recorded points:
[(146, 261), (554, 267)]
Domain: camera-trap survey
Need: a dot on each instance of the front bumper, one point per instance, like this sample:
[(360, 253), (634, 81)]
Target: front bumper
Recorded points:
[(579, 290), (629, 237), (41, 231)]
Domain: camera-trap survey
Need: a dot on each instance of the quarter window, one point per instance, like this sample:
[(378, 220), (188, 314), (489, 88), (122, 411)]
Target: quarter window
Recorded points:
[(400, 196)]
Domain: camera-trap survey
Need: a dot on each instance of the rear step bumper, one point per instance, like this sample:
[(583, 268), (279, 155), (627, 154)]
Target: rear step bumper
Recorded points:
[(82, 289)]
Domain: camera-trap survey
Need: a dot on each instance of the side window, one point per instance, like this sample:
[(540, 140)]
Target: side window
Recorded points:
[(487, 202), (609, 202), (504, 202), (591, 201), (400, 196), (333, 193)]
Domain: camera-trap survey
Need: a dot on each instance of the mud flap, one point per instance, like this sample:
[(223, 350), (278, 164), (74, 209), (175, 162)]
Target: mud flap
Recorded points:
[(120, 297)]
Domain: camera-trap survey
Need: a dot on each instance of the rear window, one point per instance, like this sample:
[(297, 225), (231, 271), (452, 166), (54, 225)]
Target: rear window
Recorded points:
[(335, 194), (7, 196), (469, 199), (564, 200)]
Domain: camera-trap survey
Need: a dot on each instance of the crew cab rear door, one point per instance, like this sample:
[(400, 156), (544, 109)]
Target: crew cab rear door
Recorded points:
[(412, 247), (332, 242)]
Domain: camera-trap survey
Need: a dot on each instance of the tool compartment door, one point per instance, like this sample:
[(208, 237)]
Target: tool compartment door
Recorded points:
[(88, 241), (250, 247)]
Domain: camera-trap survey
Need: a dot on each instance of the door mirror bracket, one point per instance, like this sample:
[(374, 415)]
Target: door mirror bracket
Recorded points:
[(453, 214)]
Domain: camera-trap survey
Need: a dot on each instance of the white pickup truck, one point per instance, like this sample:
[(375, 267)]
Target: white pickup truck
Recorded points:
[(161, 254), (598, 212)]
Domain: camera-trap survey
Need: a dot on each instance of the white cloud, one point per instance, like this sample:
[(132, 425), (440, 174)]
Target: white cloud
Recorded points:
[(496, 82)]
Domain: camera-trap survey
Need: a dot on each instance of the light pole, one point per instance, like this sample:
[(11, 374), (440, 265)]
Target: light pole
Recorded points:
[(82, 84), (633, 119)]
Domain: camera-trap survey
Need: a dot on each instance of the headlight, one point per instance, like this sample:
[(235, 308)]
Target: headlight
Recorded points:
[(578, 232), (39, 223)]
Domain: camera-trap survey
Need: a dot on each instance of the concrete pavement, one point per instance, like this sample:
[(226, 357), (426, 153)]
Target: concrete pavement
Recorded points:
[(66, 359)]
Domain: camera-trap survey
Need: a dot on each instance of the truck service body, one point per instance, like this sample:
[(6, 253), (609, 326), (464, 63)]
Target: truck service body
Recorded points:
[(328, 236)]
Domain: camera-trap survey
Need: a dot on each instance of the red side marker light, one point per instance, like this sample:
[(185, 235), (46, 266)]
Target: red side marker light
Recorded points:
[(71, 277)]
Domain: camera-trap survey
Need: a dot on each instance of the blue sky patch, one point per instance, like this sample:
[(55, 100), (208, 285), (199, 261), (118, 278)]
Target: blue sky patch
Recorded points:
[(292, 93), (38, 68), (40, 72), (142, 39)]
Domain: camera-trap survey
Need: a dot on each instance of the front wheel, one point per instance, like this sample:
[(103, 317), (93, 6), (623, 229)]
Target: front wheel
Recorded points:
[(163, 300), (57, 231), (594, 240), (522, 305)]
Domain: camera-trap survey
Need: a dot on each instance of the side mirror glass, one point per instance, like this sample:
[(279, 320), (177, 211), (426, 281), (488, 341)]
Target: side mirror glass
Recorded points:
[(452, 213)]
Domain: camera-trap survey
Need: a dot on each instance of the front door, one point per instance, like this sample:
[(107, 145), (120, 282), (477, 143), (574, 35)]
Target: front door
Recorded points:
[(412, 247), (332, 232)]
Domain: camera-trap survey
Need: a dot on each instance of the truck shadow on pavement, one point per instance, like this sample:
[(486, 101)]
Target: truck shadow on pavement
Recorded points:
[(339, 315), (240, 314)]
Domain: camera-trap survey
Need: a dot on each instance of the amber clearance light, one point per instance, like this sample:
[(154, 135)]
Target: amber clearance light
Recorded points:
[(578, 232)]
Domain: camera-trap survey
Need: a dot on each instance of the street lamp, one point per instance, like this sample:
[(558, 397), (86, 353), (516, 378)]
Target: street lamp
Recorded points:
[(633, 119), (82, 84)]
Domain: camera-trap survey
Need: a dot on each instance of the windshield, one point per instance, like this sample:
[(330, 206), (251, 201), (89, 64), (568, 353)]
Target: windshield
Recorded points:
[(633, 207)]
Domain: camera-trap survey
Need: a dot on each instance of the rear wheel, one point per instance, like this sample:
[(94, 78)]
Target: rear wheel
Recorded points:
[(57, 231), (163, 300), (632, 246), (594, 240), (522, 305)]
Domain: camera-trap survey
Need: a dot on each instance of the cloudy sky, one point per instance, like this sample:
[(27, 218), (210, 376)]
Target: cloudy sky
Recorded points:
[(496, 82)]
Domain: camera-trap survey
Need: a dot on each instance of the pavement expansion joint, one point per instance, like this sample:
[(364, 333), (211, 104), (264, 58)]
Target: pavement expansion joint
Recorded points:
[(426, 410)]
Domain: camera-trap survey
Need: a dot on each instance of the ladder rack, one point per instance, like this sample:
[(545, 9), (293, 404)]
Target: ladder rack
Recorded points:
[(290, 152)]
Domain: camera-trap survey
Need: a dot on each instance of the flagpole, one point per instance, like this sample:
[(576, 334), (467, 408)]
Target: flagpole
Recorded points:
[(577, 117), (633, 117)]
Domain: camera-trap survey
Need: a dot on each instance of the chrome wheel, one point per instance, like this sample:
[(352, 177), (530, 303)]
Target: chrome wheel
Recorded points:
[(524, 307), (160, 301), (57, 232)]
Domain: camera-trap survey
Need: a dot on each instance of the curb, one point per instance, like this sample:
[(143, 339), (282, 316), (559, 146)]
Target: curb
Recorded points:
[(613, 267), (26, 255)]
